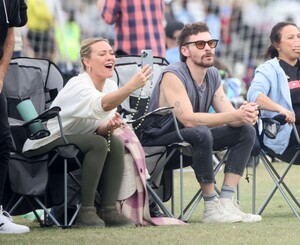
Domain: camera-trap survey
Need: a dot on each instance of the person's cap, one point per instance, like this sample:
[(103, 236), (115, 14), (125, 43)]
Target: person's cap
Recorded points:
[(171, 27)]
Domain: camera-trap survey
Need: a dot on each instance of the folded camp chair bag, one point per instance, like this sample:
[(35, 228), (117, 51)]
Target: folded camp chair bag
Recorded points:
[(28, 176)]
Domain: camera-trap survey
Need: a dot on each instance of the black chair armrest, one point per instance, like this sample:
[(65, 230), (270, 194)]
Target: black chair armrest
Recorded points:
[(45, 116), (159, 111), (280, 118)]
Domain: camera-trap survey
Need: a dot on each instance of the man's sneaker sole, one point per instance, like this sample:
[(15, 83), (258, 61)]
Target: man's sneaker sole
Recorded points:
[(233, 208), (230, 219), (251, 218)]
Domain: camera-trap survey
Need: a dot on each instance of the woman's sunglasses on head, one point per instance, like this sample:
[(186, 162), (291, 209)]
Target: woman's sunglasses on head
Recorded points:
[(200, 44)]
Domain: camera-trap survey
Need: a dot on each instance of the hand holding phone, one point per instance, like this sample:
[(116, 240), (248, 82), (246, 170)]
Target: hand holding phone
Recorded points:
[(147, 59)]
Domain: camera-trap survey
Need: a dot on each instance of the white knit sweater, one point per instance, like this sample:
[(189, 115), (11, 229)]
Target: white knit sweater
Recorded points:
[(81, 109)]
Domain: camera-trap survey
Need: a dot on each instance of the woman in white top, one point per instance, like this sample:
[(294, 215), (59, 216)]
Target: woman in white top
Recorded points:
[(88, 105)]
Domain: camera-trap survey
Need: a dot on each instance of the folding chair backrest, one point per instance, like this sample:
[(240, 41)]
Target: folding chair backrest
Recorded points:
[(36, 79), (125, 68), (136, 105)]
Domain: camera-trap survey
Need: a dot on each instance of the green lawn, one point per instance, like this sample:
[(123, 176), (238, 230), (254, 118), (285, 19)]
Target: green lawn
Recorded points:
[(279, 225)]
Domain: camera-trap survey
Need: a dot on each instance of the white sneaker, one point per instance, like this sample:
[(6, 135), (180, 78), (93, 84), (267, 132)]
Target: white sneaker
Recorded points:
[(234, 208), (214, 212), (7, 226)]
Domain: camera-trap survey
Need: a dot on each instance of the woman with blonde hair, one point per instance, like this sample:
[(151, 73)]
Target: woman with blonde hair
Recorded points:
[(88, 111)]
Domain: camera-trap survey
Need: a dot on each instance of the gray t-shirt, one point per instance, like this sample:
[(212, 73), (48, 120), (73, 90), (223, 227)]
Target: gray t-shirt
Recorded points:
[(200, 98)]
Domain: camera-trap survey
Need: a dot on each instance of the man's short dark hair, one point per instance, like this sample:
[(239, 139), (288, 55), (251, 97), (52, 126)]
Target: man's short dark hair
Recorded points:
[(187, 31)]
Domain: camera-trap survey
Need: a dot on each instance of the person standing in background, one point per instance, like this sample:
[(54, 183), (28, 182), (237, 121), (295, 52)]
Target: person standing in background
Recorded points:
[(12, 14), (40, 21), (172, 31), (67, 37), (139, 25), (184, 15), (213, 21)]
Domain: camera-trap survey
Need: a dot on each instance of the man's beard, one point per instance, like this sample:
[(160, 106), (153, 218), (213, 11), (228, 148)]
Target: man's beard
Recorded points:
[(205, 64)]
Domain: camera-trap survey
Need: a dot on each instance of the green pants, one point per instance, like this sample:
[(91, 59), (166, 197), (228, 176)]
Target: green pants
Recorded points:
[(97, 163)]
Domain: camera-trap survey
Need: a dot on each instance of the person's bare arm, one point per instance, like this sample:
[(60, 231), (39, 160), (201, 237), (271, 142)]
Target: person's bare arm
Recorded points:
[(114, 99), (8, 49), (246, 114), (173, 93)]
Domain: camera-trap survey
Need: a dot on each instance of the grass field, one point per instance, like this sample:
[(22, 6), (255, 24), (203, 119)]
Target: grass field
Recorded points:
[(279, 225)]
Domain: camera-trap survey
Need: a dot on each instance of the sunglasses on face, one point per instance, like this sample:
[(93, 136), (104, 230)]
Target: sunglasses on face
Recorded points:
[(200, 44)]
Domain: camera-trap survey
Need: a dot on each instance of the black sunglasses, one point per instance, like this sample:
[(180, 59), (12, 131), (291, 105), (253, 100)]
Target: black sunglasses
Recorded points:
[(200, 44)]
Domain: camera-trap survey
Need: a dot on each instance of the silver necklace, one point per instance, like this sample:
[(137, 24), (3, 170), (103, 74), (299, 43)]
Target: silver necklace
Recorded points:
[(146, 107)]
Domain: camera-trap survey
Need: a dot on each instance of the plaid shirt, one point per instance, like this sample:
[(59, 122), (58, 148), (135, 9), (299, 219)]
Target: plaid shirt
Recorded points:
[(139, 25)]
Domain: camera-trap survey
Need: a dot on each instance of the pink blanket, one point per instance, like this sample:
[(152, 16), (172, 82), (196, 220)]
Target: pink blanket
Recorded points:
[(136, 207)]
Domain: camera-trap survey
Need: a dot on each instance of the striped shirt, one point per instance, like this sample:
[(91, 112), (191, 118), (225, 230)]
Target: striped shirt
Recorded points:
[(138, 25)]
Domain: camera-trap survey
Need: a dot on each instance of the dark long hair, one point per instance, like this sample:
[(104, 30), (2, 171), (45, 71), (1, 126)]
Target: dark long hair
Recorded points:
[(275, 37)]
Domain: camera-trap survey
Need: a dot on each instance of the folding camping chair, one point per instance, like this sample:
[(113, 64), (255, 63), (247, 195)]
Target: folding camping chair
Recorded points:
[(135, 110), (127, 66), (36, 179), (165, 163), (165, 154), (291, 156)]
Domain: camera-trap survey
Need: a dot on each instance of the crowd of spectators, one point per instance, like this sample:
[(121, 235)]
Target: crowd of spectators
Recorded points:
[(240, 26)]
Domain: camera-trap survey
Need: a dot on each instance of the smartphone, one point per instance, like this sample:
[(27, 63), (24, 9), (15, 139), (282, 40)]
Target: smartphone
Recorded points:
[(147, 57)]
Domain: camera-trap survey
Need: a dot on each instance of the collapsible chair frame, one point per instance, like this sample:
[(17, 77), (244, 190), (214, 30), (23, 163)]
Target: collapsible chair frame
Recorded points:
[(149, 183), (177, 146), (198, 196), (67, 151), (277, 178)]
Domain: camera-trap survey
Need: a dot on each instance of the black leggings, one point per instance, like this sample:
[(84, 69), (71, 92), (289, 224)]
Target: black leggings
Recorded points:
[(5, 144), (97, 163), (205, 140)]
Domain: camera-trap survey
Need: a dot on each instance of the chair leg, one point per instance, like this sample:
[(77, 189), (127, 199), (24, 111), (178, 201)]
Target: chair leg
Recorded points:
[(48, 213), (192, 204), (181, 181), (158, 200), (66, 202), (65, 193), (278, 182), (172, 196), (198, 196), (74, 216), (254, 188), (12, 209)]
